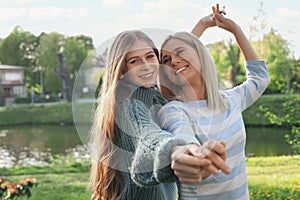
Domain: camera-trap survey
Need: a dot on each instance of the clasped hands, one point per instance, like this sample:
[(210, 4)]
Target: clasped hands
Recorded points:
[(192, 162)]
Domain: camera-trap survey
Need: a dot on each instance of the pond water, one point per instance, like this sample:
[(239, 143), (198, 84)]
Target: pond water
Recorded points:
[(36, 145)]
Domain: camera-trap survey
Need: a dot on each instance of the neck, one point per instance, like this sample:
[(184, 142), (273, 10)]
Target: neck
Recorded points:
[(193, 92)]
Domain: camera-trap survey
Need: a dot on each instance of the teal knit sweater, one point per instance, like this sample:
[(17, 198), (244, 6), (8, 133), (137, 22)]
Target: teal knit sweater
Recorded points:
[(143, 156)]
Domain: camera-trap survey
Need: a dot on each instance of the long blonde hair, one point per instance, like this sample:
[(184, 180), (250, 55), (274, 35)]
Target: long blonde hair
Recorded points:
[(215, 97), (104, 178)]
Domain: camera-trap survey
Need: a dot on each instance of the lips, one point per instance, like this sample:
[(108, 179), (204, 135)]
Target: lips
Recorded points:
[(181, 69), (147, 75)]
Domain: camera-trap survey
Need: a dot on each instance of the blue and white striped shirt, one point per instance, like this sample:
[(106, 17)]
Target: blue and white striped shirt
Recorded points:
[(194, 122)]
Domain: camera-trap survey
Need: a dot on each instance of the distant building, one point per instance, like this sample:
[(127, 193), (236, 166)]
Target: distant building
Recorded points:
[(12, 82)]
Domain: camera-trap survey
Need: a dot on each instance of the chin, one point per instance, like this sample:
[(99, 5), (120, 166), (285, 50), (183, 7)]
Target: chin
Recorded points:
[(149, 85)]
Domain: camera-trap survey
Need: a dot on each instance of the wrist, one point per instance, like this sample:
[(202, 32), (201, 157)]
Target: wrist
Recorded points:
[(237, 30)]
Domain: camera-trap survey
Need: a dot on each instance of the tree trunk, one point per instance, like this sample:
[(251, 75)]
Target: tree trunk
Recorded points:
[(63, 72)]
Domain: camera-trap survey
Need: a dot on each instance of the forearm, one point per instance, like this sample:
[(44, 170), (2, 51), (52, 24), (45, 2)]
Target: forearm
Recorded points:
[(244, 44), (204, 23), (199, 29)]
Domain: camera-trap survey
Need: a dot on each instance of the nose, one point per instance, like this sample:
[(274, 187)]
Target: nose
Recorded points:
[(175, 59), (145, 65)]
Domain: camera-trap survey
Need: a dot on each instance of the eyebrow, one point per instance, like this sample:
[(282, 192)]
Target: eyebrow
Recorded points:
[(149, 52), (177, 48)]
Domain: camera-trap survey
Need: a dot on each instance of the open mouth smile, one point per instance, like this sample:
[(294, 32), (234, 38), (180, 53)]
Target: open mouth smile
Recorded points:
[(181, 69)]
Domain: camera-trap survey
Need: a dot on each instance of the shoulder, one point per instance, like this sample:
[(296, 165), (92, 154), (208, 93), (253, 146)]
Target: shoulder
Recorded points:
[(172, 105)]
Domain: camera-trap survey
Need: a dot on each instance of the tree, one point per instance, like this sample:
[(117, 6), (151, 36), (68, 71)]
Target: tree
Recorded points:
[(62, 56), (233, 55), (76, 49), (218, 52), (19, 48), (281, 64), (47, 51), (228, 62), (259, 23)]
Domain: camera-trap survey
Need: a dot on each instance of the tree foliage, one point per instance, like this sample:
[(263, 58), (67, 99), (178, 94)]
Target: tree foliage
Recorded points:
[(39, 54)]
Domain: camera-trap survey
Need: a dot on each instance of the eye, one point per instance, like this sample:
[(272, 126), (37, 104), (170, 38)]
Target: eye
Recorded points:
[(150, 56), (166, 60), (132, 61), (178, 52)]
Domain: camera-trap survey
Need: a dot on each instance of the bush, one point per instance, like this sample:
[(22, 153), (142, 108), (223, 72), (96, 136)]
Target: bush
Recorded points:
[(37, 99)]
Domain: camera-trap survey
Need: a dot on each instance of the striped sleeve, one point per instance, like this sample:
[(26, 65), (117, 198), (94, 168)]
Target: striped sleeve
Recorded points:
[(257, 82), (173, 118)]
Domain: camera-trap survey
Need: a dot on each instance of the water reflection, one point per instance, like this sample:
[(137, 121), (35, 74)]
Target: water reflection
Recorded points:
[(265, 141), (23, 156), (37, 145)]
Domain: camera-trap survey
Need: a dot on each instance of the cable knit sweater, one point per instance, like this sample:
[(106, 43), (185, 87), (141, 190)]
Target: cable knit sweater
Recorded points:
[(143, 156)]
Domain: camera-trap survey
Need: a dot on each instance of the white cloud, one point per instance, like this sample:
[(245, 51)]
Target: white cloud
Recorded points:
[(43, 13), (7, 14), (46, 13), (287, 13), (16, 3), (113, 3), (169, 6)]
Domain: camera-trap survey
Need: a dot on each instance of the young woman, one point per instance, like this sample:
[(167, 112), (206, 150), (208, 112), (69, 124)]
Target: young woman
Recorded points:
[(189, 78), (131, 154)]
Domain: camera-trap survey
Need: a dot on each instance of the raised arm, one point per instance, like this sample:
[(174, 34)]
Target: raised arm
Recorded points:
[(231, 26), (204, 23)]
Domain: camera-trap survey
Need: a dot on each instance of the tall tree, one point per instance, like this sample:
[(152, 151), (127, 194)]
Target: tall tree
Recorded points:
[(19, 48), (76, 49), (282, 65), (233, 56), (48, 49)]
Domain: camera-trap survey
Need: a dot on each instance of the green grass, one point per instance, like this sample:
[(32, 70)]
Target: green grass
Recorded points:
[(274, 177), (33, 115), (62, 113), (269, 178), (60, 181), (63, 186)]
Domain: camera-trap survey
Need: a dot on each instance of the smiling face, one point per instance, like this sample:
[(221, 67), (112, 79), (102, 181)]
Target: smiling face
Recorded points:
[(181, 63), (141, 64)]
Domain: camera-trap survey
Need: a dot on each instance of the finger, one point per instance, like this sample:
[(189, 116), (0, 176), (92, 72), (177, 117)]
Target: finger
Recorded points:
[(212, 169), (206, 173), (187, 171), (217, 10), (218, 147), (222, 12), (219, 162), (195, 150), (189, 160), (213, 10)]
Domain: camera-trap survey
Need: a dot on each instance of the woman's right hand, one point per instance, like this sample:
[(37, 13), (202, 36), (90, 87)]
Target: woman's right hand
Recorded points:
[(223, 22), (191, 162), (205, 22)]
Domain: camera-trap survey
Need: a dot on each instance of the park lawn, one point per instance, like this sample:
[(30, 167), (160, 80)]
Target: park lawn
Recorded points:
[(274, 177), (65, 186), (269, 178), (61, 113)]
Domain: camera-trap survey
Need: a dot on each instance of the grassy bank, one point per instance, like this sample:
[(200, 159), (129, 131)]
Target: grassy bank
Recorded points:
[(269, 178), (36, 115), (62, 113)]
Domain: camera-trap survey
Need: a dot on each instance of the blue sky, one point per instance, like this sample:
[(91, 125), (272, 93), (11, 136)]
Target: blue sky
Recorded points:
[(102, 19)]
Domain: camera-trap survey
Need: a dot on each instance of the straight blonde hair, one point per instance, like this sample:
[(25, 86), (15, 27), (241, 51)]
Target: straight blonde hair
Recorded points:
[(215, 97)]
